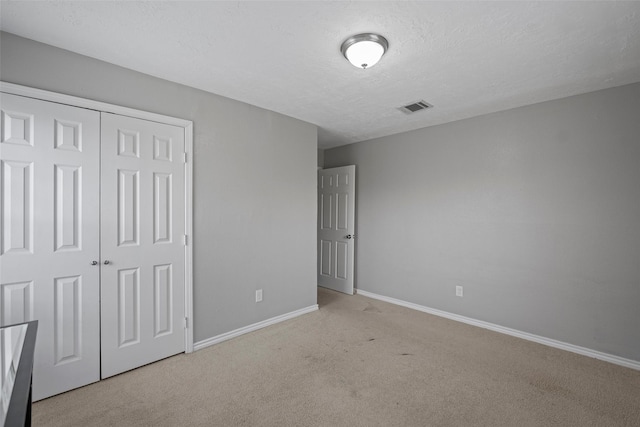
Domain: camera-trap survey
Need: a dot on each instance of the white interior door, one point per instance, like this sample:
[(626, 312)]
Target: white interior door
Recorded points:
[(49, 195), (336, 227), (143, 256)]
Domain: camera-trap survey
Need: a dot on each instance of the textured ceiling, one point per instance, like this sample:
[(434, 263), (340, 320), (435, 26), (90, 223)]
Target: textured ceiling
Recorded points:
[(465, 58)]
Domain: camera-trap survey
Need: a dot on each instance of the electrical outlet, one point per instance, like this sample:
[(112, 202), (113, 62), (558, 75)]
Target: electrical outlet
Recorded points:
[(458, 291), (259, 295)]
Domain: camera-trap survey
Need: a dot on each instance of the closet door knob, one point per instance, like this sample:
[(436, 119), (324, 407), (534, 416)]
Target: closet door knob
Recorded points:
[(107, 262), (94, 262)]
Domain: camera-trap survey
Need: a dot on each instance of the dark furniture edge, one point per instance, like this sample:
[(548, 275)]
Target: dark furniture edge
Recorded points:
[(19, 412)]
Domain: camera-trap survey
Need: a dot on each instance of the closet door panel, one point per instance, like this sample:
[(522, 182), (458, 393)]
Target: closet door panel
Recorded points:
[(49, 236), (143, 222)]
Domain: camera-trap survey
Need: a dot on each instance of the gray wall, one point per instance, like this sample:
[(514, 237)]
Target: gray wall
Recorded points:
[(535, 211), (254, 183), (320, 158)]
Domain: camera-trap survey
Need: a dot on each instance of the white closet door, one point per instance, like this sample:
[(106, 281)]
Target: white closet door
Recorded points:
[(49, 213), (143, 254)]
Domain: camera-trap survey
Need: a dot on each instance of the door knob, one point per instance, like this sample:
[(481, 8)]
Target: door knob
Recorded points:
[(94, 262), (107, 262), (349, 236)]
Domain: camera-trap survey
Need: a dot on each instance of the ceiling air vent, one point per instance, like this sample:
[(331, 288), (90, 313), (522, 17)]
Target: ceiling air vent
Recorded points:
[(415, 106)]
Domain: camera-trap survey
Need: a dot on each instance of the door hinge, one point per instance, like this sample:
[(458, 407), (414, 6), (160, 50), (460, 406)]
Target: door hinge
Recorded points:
[(184, 239), (184, 157), (186, 322)]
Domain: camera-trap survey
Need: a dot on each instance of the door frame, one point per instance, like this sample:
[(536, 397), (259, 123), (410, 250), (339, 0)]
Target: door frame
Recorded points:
[(187, 125)]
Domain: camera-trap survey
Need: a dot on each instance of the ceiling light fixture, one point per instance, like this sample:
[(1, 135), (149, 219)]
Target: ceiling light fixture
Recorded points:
[(364, 50)]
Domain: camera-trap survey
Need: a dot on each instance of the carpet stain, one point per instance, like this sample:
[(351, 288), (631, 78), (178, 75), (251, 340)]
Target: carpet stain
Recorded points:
[(548, 385), (406, 354), (372, 309)]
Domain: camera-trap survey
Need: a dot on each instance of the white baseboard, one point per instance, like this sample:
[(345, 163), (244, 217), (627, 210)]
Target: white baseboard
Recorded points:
[(628, 363), (250, 328)]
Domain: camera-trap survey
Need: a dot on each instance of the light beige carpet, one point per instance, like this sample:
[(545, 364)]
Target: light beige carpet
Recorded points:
[(360, 362)]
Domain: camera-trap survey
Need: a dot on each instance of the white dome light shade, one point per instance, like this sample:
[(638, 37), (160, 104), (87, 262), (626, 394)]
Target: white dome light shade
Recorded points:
[(364, 54), (364, 50)]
